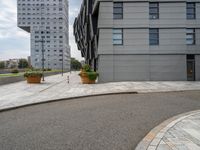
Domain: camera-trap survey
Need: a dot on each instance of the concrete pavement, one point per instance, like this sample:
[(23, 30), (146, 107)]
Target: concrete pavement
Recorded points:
[(116, 122), (57, 87)]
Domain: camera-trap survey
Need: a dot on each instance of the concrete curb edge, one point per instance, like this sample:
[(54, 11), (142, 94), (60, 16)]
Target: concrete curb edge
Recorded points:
[(63, 99), (85, 96)]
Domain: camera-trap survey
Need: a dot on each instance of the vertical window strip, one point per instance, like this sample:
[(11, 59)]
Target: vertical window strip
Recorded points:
[(154, 10), (154, 36), (117, 10), (191, 10), (117, 36), (190, 36)]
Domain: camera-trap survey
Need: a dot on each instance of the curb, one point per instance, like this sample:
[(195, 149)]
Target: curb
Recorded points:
[(154, 137), (63, 99), (85, 96)]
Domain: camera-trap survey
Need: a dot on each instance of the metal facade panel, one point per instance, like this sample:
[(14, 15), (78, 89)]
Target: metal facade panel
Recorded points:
[(142, 68), (168, 68)]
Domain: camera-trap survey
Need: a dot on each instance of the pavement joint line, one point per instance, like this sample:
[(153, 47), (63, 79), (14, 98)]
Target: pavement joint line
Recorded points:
[(51, 86), (62, 99), (164, 126)]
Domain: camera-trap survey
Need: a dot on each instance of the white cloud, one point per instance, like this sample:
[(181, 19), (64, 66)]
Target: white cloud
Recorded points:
[(75, 52), (22, 34), (14, 53), (11, 35), (73, 12)]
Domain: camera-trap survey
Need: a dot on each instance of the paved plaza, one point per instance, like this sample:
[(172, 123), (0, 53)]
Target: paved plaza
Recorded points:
[(179, 133), (57, 87)]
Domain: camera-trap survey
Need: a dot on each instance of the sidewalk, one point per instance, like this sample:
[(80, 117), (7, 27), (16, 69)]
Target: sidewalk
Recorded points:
[(56, 87), (179, 133)]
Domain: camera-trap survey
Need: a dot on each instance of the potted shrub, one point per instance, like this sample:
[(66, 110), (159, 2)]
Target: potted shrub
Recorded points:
[(88, 76), (33, 76)]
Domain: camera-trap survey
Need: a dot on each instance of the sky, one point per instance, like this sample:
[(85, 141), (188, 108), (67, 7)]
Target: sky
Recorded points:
[(15, 43)]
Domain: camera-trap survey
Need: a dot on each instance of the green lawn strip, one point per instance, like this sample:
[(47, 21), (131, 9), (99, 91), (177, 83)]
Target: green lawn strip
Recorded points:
[(11, 75), (22, 73), (53, 71)]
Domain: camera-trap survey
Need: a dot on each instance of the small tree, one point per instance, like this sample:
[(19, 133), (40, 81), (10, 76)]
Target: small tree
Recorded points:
[(23, 63), (2, 65), (75, 64)]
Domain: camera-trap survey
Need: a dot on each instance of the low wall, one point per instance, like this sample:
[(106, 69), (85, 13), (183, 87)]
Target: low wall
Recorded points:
[(8, 80)]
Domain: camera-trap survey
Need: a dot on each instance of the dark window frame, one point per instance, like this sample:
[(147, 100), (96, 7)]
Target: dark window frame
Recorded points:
[(154, 32), (191, 6), (120, 33), (154, 6), (193, 33), (118, 6)]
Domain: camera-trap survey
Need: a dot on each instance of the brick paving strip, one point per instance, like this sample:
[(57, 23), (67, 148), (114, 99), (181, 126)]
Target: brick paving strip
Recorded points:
[(180, 132), (57, 88)]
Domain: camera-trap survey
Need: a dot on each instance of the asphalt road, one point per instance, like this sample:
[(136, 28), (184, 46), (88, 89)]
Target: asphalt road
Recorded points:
[(115, 122)]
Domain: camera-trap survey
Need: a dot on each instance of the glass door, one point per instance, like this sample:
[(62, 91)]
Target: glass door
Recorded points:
[(191, 70)]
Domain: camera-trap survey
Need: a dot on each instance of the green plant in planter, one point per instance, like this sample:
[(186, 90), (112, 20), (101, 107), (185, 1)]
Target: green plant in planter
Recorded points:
[(33, 74), (87, 68), (92, 75)]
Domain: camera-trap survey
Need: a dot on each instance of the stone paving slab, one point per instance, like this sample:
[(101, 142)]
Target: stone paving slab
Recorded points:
[(178, 133), (57, 87)]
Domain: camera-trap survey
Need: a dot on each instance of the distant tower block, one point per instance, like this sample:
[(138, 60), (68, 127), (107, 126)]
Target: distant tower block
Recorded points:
[(46, 20)]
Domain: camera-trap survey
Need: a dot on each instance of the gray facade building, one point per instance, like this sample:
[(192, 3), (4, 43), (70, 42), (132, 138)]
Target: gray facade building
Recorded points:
[(140, 40), (47, 23)]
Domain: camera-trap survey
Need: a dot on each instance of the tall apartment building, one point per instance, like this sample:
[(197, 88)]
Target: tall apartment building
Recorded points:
[(140, 39), (47, 22)]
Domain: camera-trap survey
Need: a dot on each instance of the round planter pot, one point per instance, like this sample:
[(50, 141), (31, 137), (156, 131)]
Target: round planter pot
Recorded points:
[(85, 79), (33, 80)]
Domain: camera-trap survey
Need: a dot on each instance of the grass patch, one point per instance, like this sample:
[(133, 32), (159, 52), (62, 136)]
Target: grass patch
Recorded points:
[(11, 75), (54, 71), (22, 73)]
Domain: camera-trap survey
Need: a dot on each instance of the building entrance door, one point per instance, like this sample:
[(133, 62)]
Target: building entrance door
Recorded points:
[(191, 68)]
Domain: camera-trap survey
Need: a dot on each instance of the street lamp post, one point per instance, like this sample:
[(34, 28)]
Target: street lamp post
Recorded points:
[(42, 41), (62, 63)]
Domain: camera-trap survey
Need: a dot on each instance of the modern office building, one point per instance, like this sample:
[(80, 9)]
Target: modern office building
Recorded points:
[(47, 22), (140, 40)]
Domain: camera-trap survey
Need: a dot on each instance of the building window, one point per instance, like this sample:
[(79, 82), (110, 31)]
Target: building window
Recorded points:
[(153, 10), (154, 36), (190, 36), (191, 11), (117, 36), (118, 10)]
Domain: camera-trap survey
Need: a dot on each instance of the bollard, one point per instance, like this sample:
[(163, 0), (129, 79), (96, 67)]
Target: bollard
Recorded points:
[(68, 79)]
